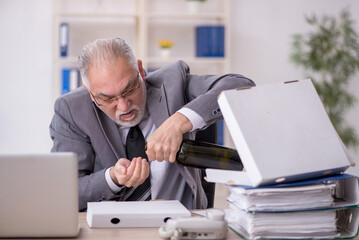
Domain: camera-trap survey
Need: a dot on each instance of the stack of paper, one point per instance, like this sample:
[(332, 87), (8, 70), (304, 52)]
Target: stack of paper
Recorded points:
[(283, 199), (319, 208), (283, 135), (292, 225)]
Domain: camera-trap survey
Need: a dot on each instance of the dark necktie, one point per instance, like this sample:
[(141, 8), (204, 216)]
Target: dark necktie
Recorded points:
[(135, 147)]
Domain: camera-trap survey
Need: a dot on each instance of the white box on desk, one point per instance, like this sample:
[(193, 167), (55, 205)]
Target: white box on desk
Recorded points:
[(282, 134), (133, 213)]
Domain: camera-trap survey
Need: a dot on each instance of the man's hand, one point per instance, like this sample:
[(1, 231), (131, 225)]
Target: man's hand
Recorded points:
[(130, 173), (163, 144)]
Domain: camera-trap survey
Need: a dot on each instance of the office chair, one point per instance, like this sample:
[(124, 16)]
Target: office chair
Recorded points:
[(208, 135)]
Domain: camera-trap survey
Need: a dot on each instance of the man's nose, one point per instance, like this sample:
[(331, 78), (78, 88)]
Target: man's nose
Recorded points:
[(123, 104)]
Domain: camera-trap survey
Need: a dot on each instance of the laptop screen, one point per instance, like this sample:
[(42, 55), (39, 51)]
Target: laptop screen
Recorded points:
[(39, 195)]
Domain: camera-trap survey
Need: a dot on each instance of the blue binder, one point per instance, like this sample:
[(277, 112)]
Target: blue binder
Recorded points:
[(346, 194), (64, 39), (70, 79), (220, 134), (65, 80), (210, 41)]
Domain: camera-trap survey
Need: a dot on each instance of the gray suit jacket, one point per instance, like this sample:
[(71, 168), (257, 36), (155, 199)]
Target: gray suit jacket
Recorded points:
[(79, 126)]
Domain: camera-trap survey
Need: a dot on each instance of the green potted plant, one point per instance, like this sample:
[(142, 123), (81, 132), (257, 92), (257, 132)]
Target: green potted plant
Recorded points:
[(329, 54)]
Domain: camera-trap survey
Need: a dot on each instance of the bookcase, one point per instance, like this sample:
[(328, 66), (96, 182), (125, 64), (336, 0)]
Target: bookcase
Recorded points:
[(163, 19), (142, 23)]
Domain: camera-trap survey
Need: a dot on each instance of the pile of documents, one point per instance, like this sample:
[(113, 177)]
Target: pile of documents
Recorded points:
[(293, 198), (284, 137), (321, 208), (320, 224)]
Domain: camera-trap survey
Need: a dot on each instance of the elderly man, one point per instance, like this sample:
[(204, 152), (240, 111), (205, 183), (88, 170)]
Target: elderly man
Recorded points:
[(107, 121)]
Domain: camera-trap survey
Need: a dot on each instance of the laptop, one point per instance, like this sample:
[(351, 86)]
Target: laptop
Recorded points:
[(39, 196)]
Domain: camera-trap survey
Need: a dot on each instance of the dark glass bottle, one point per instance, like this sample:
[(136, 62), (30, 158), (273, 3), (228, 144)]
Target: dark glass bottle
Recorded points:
[(207, 155)]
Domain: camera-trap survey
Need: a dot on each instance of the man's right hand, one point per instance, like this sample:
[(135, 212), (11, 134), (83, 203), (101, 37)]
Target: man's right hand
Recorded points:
[(130, 173)]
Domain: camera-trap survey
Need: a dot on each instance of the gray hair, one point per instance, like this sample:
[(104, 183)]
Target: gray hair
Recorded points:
[(101, 52)]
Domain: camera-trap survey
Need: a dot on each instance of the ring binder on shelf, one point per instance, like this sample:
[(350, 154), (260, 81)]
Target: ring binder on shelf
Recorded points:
[(64, 39)]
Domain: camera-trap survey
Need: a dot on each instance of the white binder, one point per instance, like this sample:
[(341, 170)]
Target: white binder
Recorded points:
[(282, 134), (133, 213)]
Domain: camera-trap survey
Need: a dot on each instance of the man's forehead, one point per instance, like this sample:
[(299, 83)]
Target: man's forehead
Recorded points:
[(120, 67), (108, 80)]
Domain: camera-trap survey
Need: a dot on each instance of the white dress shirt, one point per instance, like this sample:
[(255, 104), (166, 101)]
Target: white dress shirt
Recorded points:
[(166, 182)]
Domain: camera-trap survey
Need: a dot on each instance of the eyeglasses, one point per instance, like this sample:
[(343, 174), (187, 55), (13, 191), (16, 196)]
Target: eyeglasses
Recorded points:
[(108, 101)]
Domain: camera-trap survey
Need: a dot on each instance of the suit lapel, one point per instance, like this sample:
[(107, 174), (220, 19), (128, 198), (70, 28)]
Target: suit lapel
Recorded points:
[(110, 132), (157, 104)]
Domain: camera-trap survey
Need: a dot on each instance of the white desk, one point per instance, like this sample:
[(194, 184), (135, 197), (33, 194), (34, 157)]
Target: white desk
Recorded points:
[(124, 233)]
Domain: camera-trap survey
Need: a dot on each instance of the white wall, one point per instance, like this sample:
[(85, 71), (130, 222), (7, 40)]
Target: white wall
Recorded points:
[(261, 39), (25, 75), (262, 35)]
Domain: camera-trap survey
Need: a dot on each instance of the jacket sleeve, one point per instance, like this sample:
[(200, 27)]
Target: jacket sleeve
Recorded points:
[(202, 91), (68, 137)]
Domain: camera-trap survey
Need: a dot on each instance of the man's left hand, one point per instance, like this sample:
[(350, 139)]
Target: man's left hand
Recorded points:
[(163, 144)]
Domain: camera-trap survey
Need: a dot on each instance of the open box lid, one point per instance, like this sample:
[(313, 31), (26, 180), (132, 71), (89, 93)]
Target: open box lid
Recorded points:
[(282, 134)]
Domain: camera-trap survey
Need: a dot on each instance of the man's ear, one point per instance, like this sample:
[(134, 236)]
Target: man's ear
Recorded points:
[(140, 69)]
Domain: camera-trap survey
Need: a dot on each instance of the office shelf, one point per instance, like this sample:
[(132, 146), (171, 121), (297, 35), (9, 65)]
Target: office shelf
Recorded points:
[(141, 23)]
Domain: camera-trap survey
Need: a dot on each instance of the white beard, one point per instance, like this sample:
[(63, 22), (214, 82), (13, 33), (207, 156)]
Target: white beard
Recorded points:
[(133, 120)]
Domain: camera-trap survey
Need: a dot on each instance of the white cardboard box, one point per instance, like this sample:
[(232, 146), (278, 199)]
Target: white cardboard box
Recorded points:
[(133, 214), (282, 133)]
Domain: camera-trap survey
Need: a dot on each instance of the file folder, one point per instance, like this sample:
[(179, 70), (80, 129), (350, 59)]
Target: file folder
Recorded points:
[(133, 213), (317, 208), (282, 134), (331, 192), (306, 225)]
